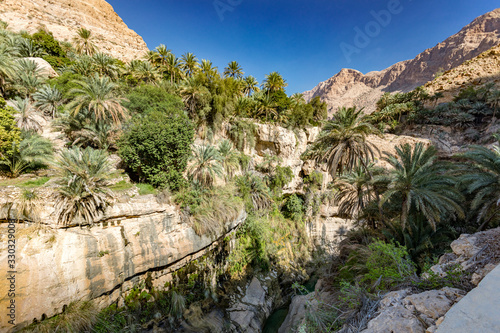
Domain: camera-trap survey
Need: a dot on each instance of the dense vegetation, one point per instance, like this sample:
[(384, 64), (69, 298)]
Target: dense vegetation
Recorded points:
[(182, 128)]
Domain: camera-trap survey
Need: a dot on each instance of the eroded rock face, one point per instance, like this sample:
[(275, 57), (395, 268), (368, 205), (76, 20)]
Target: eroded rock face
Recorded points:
[(478, 254), (297, 312), (399, 311), (251, 307), (133, 239), (351, 87), (64, 17)]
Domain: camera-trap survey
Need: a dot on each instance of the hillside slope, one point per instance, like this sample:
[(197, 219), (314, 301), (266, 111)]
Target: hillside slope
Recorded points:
[(351, 87), (64, 17)]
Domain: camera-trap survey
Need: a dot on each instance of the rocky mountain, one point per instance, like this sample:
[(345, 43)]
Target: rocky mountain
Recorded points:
[(483, 69), (64, 17), (351, 87)]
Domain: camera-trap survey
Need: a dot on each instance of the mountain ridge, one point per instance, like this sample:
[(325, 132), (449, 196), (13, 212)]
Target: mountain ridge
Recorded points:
[(64, 17), (351, 87)]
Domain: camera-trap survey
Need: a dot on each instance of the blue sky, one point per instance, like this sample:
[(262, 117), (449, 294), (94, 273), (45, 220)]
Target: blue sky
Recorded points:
[(306, 41)]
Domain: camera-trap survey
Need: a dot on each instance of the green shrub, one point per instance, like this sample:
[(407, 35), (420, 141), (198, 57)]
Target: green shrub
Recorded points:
[(294, 208), (388, 264), (46, 41), (145, 189), (155, 148), (146, 98), (10, 135)]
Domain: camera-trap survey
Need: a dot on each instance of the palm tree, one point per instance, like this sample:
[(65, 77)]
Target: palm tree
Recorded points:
[(254, 190), (48, 99), (27, 49), (251, 85), (494, 101), (83, 65), (83, 179), (7, 65), (205, 165), (26, 115), (266, 108), (32, 150), (160, 56), (143, 71), (422, 184), (355, 191), (229, 158), (482, 180), (29, 77), (233, 70), (99, 95), (208, 69), (105, 65), (195, 95), (189, 64), (84, 42), (274, 82), (342, 142), (174, 68)]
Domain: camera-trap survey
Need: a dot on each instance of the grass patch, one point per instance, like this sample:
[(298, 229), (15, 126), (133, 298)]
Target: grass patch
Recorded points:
[(122, 185), (145, 189), (35, 182)]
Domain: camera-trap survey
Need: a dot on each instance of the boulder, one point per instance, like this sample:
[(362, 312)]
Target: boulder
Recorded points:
[(45, 68), (297, 312)]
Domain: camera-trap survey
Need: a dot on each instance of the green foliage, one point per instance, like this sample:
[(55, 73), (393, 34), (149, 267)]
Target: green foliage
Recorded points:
[(205, 165), (380, 265), (35, 182), (155, 148), (279, 178), (10, 134), (147, 98), (242, 133), (82, 191), (294, 208), (145, 189), (342, 142), (254, 192), (46, 41)]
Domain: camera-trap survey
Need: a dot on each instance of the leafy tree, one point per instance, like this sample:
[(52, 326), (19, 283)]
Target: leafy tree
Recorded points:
[(46, 41), (146, 98), (84, 42), (294, 208), (155, 148), (82, 183), (422, 184), (100, 96), (10, 135), (342, 142), (205, 165)]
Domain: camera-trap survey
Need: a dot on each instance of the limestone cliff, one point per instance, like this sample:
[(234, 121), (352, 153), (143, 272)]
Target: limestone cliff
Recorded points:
[(350, 87), (134, 239), (64, 17)]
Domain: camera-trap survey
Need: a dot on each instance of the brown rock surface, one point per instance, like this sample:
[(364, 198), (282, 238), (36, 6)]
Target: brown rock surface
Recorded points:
[(64, 17), (350, 87)]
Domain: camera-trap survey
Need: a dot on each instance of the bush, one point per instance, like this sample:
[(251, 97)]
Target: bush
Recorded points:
[(10, 135), (294, 208), (46, 41), (147, 98), (155, 148)]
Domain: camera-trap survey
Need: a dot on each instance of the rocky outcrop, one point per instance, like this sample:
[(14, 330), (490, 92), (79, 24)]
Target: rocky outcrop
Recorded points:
[(483, 69), (137, 239), (64, 17), (44, 67), (477, 254), (250, 307), (297, 312), (477, 311), (350, 87), (399, 311)]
